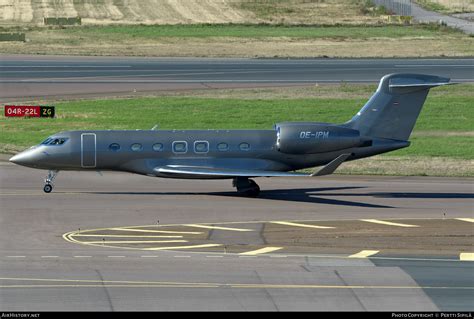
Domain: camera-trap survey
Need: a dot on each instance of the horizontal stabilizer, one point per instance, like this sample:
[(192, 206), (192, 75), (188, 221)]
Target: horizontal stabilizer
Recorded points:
[(411, 83)]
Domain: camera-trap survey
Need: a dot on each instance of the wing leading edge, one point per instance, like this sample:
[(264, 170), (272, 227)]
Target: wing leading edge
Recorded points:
[(209, 172)]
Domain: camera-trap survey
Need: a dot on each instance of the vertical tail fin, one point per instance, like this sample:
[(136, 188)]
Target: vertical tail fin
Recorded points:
[(393, 109)]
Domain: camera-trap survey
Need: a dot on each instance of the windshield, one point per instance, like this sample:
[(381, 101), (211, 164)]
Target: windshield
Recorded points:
[(54, 141)]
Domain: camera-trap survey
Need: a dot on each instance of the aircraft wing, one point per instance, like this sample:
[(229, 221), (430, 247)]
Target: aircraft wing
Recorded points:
[(210, 172)]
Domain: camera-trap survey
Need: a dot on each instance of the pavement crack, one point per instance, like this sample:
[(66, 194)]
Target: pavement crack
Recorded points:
[(109, 299), (351, 290), (262, 234), (307, 266), (267, 293)]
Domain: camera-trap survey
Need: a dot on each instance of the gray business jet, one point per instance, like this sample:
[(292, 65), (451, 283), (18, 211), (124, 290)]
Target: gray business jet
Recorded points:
[(384, 124)]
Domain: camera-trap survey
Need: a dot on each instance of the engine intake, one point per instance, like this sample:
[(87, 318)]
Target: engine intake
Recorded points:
[(311, 138)]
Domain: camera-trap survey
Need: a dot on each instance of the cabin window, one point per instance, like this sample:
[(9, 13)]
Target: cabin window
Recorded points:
[(114, 147), (158, 147), (136, 147), (180, 147), (244, 146), (201, 146), (222, 147)]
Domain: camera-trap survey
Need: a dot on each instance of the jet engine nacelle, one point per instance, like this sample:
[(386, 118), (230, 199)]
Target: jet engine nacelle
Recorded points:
[(311, 138)]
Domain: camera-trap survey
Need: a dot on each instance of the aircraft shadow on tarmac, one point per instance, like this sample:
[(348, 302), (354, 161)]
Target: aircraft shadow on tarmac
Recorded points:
[(305, 195), (315, 195)]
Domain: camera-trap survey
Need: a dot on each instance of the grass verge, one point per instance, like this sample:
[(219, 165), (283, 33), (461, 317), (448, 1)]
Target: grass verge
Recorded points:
[(246, 40), (259, 31)]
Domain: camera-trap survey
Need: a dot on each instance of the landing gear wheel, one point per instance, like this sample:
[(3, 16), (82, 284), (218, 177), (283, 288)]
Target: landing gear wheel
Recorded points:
[(253, 192), (246, 187), (48, 188)]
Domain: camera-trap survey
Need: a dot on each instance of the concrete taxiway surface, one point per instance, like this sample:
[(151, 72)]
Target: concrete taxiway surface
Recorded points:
[(51, 260), (27, 77)]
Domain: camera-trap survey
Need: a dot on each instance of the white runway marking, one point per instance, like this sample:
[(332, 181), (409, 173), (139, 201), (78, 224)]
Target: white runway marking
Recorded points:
[(260, 251), (364, 254), (300, 225), (376, 221), (466, 256), (469, 220)]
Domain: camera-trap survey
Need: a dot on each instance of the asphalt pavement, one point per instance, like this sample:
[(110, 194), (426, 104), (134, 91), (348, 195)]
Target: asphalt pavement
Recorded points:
[(29, 77), (41, 268)]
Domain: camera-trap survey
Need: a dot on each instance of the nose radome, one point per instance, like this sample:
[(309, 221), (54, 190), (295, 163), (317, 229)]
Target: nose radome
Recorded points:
[(16, 159), (25, 158)]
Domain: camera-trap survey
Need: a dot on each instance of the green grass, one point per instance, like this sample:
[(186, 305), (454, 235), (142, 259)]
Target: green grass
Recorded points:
[(258, 31), (448, 112), (439, 146)]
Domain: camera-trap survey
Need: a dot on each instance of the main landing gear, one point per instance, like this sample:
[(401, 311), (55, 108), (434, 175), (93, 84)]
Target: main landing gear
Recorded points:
[(48, 186), (246, 187)]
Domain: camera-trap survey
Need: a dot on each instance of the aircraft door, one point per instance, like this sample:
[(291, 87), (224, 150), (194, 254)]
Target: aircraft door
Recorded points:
[(88, 150)]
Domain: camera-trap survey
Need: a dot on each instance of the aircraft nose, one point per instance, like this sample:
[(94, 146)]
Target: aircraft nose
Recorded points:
[(26, 158)]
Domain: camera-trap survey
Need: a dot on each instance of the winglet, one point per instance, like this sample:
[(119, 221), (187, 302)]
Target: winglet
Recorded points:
[(332, 166)]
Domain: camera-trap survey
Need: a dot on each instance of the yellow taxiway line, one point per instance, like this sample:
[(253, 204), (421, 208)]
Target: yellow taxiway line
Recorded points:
[(183, 247), (154, 231), (135, 241), (377, 221), (301, 225), (76, 283), (127, 236)]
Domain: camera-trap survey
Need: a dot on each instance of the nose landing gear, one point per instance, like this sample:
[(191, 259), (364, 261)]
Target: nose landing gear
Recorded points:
[(48, 187), (246, 187)]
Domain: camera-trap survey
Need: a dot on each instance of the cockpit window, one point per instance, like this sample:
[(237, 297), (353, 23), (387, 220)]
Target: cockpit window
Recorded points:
[(54, 141), (46, 141)]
